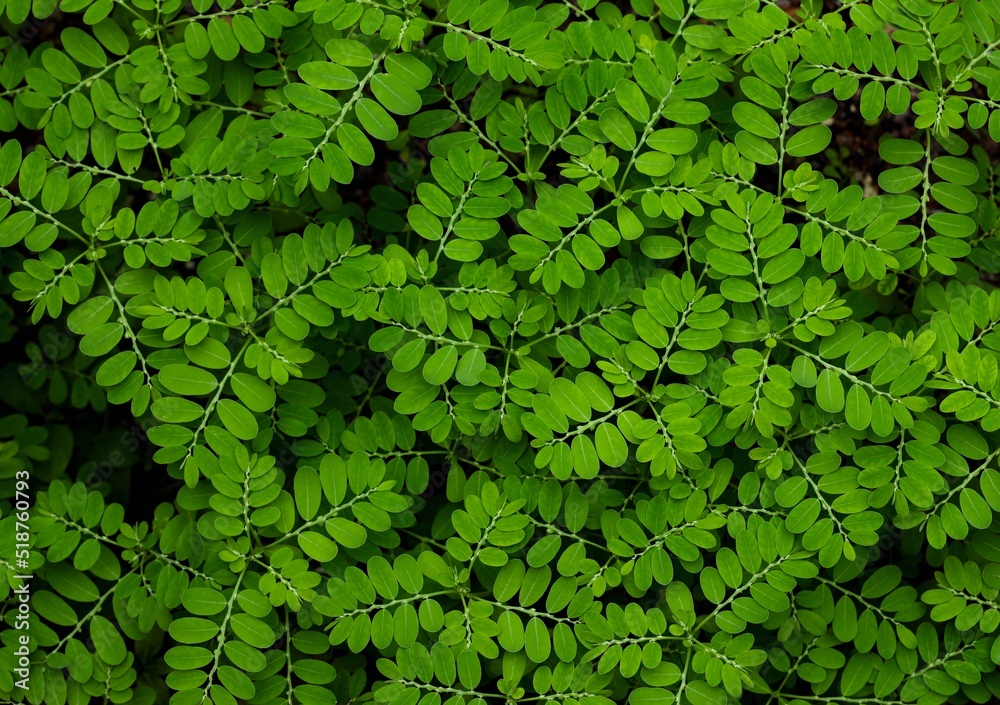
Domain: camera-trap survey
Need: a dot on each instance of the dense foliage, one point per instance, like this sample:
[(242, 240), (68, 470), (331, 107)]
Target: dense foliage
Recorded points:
[(481, 351)]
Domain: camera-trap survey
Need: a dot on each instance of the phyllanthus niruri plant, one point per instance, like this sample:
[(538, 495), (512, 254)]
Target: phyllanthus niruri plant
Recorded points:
[(500, 351)]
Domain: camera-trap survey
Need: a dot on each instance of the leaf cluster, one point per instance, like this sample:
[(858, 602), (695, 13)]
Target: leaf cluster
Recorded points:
[(472, 351)]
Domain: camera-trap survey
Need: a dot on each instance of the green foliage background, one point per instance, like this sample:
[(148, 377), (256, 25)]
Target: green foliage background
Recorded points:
[(480, 351)]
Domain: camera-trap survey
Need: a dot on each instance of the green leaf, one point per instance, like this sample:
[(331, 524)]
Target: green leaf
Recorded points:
[(308, 492), (755, 119), (830, 391), (116, 368), (441, 365), (256, 394), (327, 76), (223, 39), (83, 48), (187, 380), (346, 532), (237, 419), (701, 693), (108, 643), (808, 141), (193, 630), (252, 631), (395, 94), (618, 129), (611, 447), (203, 602)]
